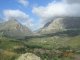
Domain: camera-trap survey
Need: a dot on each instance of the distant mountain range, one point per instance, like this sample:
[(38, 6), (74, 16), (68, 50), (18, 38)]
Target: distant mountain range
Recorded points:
[(13, 28)]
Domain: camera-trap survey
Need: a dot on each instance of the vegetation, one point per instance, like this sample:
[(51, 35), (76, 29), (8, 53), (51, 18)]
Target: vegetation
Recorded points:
[(47, 47)]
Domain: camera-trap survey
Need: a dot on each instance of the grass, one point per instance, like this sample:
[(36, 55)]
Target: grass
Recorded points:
[(54, 42), (48, 48)]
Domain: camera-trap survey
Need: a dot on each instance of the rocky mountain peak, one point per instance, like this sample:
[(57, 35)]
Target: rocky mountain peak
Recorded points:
[(61, 24), (14, 29)]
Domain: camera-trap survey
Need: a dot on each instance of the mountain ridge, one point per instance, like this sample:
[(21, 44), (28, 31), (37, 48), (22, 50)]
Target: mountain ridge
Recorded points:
[(13, 28), (61, 24)]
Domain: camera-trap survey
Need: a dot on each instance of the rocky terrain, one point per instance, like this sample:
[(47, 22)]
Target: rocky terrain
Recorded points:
[(28, 56), (61, 24), (13, 28)]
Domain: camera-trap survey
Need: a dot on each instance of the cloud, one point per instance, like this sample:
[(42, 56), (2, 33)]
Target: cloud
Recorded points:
[(14, 14), (58, 9), (24, 2), (19, 15), (72, 1), (50, 10)]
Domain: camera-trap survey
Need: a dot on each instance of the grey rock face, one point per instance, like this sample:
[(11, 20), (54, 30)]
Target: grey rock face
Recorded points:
[(61, 24)]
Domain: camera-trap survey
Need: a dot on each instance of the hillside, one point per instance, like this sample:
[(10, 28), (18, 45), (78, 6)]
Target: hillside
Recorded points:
[(61, 24), (13, 28), (46, 47)]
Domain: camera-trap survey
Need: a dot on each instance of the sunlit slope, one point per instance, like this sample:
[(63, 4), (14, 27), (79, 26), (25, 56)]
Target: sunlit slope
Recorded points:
[(61, 24), (13, 28)]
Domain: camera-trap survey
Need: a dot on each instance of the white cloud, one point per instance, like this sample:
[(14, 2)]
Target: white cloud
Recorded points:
[(23, 2), (14, 14), (58, 9), (50, 10), (19, 15)]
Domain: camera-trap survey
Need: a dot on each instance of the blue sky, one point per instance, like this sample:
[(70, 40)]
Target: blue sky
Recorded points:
[(35, 13), (14, 5)]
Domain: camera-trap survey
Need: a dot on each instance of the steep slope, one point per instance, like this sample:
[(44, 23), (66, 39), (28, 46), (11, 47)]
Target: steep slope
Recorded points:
[(12, 28), (61, 24)]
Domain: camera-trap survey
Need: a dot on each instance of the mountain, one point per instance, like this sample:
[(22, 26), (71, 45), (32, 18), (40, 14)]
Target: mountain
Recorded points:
[(13, 28), (61, 24)]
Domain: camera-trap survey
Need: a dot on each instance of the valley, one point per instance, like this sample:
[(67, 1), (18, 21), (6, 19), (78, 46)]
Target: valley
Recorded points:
[(56, 40)]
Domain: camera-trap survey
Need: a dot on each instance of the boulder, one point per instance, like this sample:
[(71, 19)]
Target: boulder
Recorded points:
[(29, 56)]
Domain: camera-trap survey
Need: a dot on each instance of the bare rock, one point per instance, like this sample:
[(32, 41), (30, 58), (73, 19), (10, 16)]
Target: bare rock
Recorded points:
[(29, 56)]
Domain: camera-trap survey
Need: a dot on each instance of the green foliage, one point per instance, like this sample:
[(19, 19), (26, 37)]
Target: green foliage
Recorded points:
[(48, 48)]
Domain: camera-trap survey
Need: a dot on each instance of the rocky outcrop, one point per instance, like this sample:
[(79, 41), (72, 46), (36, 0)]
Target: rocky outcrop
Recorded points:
[(29, 56)]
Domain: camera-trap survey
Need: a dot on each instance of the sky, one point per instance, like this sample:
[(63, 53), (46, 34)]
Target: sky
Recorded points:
[(35, 13)]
